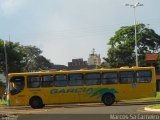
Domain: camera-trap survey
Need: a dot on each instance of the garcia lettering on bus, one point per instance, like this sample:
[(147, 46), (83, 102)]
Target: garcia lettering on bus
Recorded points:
[(72, 90)]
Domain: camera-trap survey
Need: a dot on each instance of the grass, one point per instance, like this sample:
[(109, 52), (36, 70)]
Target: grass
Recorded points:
[(145, 99), (157, 106), (2, 102)]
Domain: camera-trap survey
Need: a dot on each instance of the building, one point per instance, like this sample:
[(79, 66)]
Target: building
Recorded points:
[(77, 64), (94, 59), (152, 59), (59, 67)]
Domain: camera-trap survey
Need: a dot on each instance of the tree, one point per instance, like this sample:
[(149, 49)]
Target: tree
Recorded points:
[(1, 83), (42, 63), (1, 55), (14, 56), (33, 59), (30, 54), (22, 58), (122, 45)]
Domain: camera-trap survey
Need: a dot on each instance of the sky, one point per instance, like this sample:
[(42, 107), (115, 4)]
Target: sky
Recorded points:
[(70, 29)]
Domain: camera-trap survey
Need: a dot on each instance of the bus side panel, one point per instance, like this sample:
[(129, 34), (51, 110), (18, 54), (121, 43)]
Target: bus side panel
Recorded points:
[(95, 93)]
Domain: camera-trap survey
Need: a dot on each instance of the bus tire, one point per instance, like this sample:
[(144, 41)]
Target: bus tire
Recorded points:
[(108, 99), (36, 102)]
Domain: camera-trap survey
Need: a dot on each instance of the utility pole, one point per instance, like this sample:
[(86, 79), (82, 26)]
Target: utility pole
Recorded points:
[(134, 7), (6, 64)]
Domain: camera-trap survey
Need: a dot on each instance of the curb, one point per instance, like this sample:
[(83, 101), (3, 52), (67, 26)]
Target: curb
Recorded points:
[(141, 101), (151, 109)]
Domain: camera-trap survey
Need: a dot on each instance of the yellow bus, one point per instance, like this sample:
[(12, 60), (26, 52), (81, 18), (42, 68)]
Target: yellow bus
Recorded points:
[(38, 89)]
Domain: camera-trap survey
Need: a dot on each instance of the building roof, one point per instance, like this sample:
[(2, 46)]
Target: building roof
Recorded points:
[(151, 56)]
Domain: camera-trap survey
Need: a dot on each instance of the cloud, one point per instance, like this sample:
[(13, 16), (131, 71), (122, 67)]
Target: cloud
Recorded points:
[(66, 29), (9, 7)]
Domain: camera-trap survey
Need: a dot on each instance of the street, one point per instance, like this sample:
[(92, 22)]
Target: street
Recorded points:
[(92, 111)]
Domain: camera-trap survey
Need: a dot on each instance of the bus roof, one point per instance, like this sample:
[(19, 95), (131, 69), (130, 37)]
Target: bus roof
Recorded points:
[(80, 71)]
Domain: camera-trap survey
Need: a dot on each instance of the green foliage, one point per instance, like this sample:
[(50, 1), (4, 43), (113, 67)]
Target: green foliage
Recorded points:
[(15, 56), (22, 58), (2, 102), (1, 83), (122, 45), (43, 63), (30, 54)]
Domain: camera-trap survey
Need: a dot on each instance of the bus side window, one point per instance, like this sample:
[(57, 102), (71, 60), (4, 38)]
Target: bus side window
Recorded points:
[(33, 81), (47, 81), (75, 79), (92, 78), (143, 76), (110, 78), (126, 77), (60, 80)]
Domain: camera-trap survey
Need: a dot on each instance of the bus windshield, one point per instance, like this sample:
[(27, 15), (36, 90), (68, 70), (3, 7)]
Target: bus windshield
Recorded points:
[(16, 85)]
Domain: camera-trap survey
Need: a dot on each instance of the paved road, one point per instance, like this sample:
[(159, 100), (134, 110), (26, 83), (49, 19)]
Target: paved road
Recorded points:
[(77, 112)]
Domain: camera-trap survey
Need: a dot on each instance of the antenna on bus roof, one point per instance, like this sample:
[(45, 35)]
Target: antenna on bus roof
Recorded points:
[(134, 66), (124, 67), (84, 69), (52, 70), (63, 70)]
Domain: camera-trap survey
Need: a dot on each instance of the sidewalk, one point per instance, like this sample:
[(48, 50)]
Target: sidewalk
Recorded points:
[(20, 110), (140, 102), (151, 109)]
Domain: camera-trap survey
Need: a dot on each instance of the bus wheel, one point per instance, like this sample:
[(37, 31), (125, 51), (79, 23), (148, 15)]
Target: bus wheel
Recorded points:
[(36, 103), (108, 99)]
